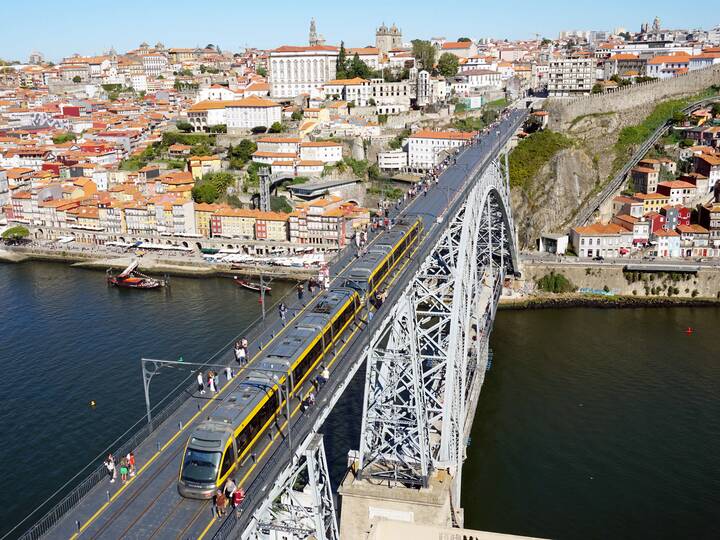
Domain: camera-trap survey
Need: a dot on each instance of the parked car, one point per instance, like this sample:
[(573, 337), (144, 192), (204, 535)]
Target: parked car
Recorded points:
[(599, 258)]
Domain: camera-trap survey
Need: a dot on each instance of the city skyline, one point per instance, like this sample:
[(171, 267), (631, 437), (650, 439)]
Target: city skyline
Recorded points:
[(221, 23)]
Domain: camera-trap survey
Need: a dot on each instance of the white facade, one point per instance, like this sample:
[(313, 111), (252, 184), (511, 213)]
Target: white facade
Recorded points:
[(216, 93), (300, 70), (4, 189), (483, 78), (327, 152), (154, 64), (251, 112), (426, 147), (392, 160), (571, 76)]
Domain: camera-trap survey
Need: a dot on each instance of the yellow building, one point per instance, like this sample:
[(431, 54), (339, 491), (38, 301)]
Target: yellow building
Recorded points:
[(202, 165)]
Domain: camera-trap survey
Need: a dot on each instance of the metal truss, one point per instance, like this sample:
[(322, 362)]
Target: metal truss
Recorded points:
[(431, 350), (300, 502)]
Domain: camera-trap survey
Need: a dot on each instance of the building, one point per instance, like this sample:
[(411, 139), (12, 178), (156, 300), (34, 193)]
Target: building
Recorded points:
[(326, 222), (461, 49), (645, 179), (199, 166), (666, 243), (323, 151), (694, 241), (391, 97), (4, 189), (392, 160), (482, 78), (571, 76), (247, 113), (640, 227), (356, 90), (624, 65), (301, 70), (388, 39), (425, 148), (598, 240), (665, 66), (677, 191), (709, 166)]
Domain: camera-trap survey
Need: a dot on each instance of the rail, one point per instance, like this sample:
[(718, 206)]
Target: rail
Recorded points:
[(142, 430), (584, 214)]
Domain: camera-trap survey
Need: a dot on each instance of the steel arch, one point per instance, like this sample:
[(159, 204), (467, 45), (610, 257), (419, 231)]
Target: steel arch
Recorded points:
[(429, 355)]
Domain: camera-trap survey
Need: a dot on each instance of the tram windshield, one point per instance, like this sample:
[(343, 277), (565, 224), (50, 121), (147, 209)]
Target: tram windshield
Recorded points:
[(199, 466)]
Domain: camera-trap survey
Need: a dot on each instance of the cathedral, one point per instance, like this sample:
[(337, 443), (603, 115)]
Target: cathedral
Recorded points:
[(387, 39), (314, 38)]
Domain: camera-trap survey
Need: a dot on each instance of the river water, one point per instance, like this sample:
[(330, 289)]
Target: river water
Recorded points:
[(591, 424)]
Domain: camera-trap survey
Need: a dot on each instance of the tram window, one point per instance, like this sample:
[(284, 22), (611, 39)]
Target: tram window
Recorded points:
[(200, 466), (227, 462), (242, 440)]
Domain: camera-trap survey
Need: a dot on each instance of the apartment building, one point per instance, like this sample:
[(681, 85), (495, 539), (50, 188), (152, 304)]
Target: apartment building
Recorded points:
[(571, 76)]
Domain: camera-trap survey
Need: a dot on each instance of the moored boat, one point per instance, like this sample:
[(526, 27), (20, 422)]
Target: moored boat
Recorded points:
[(251, 286), (130, 278)]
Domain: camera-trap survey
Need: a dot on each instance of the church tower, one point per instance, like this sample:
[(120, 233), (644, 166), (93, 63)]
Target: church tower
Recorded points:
[(314, 38)]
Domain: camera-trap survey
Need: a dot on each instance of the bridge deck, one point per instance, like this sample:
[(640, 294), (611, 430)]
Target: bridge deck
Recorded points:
[(148, 506)]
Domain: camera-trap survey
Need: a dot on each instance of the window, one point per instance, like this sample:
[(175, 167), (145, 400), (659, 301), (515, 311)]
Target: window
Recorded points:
[(228, 461)]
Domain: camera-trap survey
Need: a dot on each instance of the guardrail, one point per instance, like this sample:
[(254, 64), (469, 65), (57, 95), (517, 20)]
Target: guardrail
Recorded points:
[(585, 213)]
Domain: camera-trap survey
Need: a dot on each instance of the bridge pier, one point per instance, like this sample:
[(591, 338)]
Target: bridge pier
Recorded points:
[(366, 501)]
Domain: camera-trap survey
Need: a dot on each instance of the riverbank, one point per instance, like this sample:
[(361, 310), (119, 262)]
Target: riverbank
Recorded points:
[(573, 300), (151, 264)]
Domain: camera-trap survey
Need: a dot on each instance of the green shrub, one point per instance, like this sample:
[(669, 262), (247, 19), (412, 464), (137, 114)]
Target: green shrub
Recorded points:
[(555, 283), (532, 153)]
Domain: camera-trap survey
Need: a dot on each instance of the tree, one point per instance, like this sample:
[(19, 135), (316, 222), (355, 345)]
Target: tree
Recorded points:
[(184, 126), (341, 63), (261, 71), (679, 117), (545, 42), (464, 40), (297, 115), (597, 88), (424, 53), (358, 68), (243, 151), (448, 64), (258, 129), (204, 193), (218, 128), (15, 235), (715, 109), (76, 79), (64, 137), (277, 127)]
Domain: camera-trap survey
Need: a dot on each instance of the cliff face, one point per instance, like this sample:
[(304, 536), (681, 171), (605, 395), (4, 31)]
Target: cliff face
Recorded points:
[(550, 201)]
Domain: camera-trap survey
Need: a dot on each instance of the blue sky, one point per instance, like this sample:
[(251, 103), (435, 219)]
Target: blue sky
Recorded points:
[(59, 28)]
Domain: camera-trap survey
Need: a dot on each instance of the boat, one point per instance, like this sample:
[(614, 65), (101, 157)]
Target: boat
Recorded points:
[(252, 286), (130, 278)]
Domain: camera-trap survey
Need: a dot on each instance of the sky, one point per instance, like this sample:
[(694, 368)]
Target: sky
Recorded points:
[(59, 28)]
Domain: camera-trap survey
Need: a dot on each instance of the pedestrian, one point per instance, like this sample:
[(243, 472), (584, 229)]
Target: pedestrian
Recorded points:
[(324, 373), (216, 380), (239, 353), (228, 373), (230, 487), (131, 463), (201, 383), (238, 497), (282, 309), (327, 282), (220, 503), (123, 470), (110, 466), (244, 345), (300, 291), (211, 381)]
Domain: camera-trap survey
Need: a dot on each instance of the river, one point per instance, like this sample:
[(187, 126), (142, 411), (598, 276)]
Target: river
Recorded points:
[(591, 424)]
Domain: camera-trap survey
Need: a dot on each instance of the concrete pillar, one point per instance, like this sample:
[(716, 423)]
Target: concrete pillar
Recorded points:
[(365, 503)]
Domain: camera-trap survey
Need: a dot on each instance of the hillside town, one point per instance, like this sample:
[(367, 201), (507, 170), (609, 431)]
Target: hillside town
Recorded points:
[(300, 147)]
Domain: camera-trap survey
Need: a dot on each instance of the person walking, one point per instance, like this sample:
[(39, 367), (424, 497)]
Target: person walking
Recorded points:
[(123, 470), (200, 382), (300, 291), (239, 353), (238, 497), (110, 466), (211, 382), (283, 310), (228, 373), (216, 380), (244, 345), (131, 463), (324, 374), (230, 488), (220, 503)]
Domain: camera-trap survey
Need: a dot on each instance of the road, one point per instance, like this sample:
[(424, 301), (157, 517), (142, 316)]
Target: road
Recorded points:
[(148, 506), (548, 258)]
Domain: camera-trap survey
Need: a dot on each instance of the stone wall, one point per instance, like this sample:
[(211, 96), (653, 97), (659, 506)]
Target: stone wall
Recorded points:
[(563, 111), (706, 282)]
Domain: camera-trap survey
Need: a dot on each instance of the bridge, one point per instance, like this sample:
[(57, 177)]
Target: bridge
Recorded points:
[(425, 351)]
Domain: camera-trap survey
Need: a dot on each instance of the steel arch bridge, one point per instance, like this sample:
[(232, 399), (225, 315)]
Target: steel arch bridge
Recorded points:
[(427, 361)]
